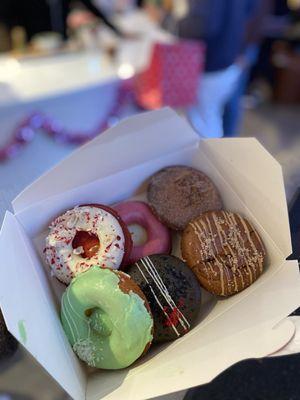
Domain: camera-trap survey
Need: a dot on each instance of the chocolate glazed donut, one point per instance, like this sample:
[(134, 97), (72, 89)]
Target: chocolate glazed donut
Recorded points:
[(173, 293), (224, 251)]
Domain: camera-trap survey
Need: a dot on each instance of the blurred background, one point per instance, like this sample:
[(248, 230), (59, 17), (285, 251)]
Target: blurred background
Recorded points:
[(71, 69)]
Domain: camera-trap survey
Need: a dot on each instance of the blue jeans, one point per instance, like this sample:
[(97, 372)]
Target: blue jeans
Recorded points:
[(232, 112)]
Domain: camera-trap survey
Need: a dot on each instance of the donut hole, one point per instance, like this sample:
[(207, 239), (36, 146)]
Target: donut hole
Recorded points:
[(88, 312), (86, 244), (99, 321), (139, 234)]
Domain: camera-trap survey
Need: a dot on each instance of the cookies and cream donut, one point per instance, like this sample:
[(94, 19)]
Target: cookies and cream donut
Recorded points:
[(106, 318), (224, 251), (85, 236)]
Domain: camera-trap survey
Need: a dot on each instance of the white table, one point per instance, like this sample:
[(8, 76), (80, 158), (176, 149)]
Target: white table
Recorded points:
[(35, 79), (76, 90), (30, 80)]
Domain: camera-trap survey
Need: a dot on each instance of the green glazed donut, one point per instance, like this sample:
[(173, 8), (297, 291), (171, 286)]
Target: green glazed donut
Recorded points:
[(106, 318)]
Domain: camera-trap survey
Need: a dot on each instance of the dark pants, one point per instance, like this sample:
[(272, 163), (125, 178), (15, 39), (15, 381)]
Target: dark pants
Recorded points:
[(233, 110)]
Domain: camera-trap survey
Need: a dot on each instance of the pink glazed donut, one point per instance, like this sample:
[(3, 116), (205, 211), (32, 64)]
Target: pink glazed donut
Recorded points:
[(158, 236)]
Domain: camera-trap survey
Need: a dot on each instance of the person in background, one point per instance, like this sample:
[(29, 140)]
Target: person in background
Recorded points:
[(221, 25), (253, 38), (38, 16), (113, 6), (263, 74)]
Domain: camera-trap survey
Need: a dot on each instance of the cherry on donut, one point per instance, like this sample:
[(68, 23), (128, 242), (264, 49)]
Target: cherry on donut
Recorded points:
[(127, 235), (89, 243)]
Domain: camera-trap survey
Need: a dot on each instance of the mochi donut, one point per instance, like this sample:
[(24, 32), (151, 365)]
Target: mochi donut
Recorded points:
[(224, 251), (84, 236), (178, 194), (149, 235), (106, 318), (173, 293)]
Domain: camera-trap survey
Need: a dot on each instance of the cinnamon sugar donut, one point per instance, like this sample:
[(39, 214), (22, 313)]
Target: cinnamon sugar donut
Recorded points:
[(178, 194)]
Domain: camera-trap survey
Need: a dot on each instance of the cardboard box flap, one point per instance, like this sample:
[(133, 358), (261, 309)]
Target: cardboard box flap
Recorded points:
[(30, 313), (293, 346), (257, 177), (132, 141)]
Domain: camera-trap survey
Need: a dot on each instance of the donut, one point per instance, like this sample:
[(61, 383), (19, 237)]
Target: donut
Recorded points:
[(84, 236), (172, 291), (149, 235), (106, 318), (224, 251), (178, 194), (8, 344)]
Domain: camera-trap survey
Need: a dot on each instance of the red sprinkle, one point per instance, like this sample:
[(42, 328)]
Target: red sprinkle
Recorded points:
[(174, 315)]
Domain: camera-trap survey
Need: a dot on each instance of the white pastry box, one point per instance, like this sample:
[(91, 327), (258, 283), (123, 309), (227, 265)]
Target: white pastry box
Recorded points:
[(114, 167)]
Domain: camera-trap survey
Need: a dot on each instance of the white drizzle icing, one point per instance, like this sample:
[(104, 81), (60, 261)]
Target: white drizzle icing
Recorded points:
[(183, 321), (236, 244), (149, 267), (157, 300)]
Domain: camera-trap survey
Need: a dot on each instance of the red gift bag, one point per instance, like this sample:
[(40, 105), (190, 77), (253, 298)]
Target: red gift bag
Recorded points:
[(172, 76)]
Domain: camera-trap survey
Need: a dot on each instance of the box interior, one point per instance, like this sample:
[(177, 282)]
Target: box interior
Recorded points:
[(131, 183)]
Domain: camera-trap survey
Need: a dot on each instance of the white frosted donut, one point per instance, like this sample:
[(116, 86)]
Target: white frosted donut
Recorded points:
[(67, 262)]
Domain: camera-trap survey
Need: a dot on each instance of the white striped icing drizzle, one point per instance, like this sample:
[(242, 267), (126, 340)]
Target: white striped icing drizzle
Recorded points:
[(217, 262), (231, 218), (157, 300), (207, 252), (160, 284), (234, 241), (154, 275)]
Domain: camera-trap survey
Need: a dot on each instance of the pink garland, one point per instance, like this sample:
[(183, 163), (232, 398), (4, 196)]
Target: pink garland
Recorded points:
[(27, 129)]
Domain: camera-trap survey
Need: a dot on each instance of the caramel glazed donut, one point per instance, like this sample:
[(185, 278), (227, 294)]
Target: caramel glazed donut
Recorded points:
[(66, 251), (224, 251)]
